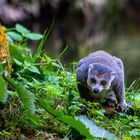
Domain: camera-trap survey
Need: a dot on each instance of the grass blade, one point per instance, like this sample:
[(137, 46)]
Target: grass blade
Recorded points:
[(39, 49)]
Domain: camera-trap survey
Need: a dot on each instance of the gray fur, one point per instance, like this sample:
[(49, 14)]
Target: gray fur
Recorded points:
[(104, 61)]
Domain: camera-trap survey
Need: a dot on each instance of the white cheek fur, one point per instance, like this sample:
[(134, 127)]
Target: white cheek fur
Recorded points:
[(89, 82)]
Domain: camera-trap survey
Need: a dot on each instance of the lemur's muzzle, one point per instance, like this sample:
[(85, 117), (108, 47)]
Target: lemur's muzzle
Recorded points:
[(95, 90)]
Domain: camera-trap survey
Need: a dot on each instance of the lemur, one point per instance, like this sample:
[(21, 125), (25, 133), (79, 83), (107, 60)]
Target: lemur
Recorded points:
[(100, 73)]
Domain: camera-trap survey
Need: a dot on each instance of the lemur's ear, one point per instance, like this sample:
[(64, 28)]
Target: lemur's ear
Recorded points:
[(90, 68)]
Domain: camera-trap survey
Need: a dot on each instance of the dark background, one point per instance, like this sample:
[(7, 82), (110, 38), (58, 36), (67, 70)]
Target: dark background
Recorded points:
[(82, 25)]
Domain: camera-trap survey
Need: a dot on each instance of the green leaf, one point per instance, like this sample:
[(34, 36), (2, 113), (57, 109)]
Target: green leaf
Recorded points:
[(9, 39), (26, 97), (137, 101), (34, 120), (48, 58), (96, 130), (17, 62), (21, 29), (125, 137), (34, 69), (135, 132), (5, 133), (76, 124), (15, 36), (33, 36), (2, 88), (15, 53), (1, 68)]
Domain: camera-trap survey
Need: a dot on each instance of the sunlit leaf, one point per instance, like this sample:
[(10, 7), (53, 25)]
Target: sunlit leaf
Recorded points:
[(9, 39), (33, 36), (48, 58), (15, 36), (127, 137), (135, 132), (34, 69), (17, 62), (96, 130), (137, 101), (21, 29)]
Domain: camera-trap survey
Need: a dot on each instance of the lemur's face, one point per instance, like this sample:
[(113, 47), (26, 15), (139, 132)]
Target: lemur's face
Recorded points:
[(99, 77)]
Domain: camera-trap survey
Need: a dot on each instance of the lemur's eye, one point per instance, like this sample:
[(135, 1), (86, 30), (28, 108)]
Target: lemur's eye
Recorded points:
[(104, 82), (93, 80)]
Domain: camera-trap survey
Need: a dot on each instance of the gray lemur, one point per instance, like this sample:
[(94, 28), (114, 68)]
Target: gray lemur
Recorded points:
[(100, 73)]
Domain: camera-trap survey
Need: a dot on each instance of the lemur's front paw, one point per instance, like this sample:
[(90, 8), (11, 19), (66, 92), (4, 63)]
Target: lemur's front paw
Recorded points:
[(111, 102), (123, 106)]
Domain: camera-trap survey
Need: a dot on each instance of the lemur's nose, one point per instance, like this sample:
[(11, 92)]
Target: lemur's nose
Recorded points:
[(96, 90)]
